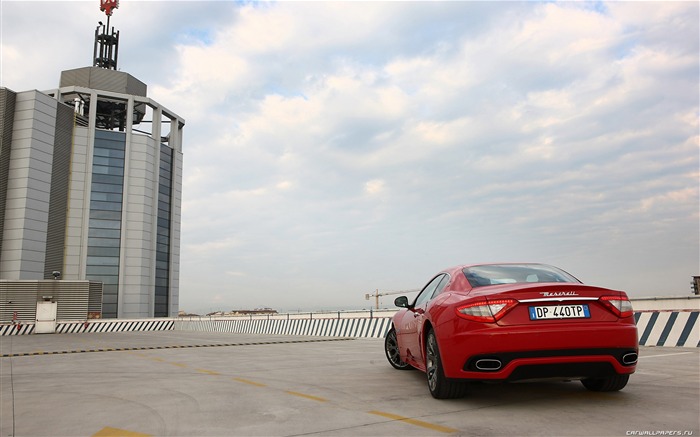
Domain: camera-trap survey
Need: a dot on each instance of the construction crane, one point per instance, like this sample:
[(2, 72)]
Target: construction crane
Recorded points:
[(386, 293)]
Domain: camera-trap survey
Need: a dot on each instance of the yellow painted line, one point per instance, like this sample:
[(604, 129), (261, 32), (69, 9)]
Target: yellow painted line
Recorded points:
[(246, 381), (302, 395), (415, 422), (179, 365), (116, 432), (208, 372)]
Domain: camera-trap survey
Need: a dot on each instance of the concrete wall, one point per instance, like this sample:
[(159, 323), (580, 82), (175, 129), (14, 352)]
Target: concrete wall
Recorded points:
[(28, 187), (680, 303), (655, 328), (678, 327), (364, 327)]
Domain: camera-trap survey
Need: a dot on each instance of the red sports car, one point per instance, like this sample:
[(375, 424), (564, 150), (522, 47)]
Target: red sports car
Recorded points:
[(510, 322)]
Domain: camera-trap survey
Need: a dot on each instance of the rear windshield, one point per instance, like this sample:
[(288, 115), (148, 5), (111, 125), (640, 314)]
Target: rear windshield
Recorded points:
[(493, 274)]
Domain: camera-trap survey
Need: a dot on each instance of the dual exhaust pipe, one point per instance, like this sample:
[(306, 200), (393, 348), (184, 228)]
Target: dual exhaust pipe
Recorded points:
[(494, 364), (488, 364), (629, 358)]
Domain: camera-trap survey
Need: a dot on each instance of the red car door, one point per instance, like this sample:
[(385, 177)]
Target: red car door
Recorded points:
[(411, 331)]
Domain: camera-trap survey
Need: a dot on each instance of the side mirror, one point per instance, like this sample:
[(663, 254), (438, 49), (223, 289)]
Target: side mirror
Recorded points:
[(401, 302)]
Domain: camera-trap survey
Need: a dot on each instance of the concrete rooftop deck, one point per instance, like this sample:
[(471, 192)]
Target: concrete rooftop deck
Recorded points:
[(221, 384)]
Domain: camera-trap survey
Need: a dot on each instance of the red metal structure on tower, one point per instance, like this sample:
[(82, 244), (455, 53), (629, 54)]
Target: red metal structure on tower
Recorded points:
[(106, 40), (108, 5)]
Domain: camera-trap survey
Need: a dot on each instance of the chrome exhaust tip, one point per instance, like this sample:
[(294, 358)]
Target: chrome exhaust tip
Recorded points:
[(629, 358), (488, 364)]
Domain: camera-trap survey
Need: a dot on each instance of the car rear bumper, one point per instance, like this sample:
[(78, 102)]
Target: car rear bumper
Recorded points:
[(516, 353)]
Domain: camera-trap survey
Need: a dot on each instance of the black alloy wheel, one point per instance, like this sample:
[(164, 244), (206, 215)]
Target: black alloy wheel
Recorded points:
[(391, 348), (440, 387)]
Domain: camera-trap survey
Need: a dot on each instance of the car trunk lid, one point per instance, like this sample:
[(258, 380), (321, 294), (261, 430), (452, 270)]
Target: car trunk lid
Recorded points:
[(554, 303)]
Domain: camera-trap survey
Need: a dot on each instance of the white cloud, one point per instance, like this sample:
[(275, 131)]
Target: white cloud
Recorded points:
[(374, 187), (332, 148), (671, 199)]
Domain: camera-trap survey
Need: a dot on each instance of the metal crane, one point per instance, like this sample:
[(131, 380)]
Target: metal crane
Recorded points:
[(376, 295)]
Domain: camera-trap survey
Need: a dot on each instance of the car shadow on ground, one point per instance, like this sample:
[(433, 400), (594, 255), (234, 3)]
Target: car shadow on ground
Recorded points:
[(531, 391)]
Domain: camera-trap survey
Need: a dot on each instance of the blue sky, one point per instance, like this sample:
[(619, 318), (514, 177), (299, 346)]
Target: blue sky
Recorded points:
[(335, 148)]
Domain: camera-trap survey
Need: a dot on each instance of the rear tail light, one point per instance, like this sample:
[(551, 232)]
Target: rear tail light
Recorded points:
[(486, 311), (619, 305)]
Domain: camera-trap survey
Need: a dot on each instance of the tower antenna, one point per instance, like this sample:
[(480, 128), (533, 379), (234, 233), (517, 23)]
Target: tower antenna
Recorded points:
[(106, 40)]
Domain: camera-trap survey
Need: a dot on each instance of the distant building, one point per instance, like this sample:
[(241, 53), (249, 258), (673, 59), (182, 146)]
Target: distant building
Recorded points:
[(91, 186), (256, 311), (233, 313)]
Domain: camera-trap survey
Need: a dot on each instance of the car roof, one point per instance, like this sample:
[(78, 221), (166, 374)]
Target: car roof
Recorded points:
[(464, 266)]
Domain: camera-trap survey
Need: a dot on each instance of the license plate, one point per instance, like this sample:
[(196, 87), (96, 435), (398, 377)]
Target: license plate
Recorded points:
[(559, 312)]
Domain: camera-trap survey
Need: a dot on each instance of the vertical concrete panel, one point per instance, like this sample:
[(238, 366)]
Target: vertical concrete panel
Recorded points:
[(7, 115), (138, 240), (28, 186), (77, 214), (176, 217), (60, 184)]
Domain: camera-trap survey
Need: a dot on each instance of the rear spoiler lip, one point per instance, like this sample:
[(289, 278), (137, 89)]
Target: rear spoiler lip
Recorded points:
[(557, 299), (503, 290)]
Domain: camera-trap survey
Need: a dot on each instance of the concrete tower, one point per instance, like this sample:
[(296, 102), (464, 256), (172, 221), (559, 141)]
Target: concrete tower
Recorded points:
[(91, 185)]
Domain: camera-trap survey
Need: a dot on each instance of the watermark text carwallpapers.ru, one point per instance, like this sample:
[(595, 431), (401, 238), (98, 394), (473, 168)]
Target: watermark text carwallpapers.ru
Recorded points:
[(660, 433)]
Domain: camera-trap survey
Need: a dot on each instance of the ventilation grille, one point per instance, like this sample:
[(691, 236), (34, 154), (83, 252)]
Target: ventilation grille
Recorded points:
[(20, 297)]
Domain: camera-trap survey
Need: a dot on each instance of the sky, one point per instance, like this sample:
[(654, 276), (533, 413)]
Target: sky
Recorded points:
[(332, 149)]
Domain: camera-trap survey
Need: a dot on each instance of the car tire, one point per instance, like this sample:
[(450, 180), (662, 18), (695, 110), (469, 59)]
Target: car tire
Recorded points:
[(440, 387), (391, 349), (611, 383)]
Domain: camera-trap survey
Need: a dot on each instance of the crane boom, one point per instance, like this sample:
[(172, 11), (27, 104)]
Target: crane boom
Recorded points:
[(376, 295)]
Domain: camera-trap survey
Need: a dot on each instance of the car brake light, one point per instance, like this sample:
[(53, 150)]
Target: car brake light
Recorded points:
[(486, 311), (619, 305)]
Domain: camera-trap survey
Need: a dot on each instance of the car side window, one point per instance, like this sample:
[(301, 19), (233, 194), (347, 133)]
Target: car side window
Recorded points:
[(441, 286), (429, 290)]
